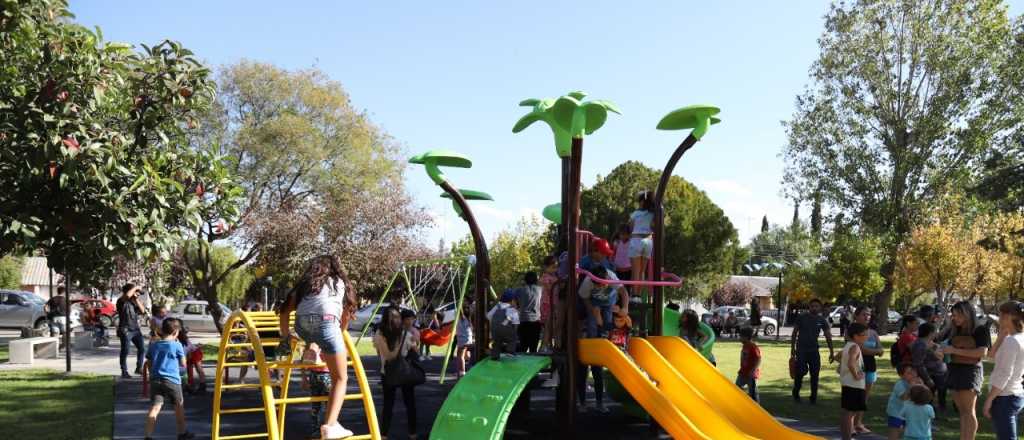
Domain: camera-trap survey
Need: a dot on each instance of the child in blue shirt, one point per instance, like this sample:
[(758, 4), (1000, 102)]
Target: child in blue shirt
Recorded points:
[(918, 413), (165, 360), (897, 399)]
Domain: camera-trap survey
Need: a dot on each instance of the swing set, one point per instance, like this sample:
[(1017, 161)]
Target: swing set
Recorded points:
[(441, 285)]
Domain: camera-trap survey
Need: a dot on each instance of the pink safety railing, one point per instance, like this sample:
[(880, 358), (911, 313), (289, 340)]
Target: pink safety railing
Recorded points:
[(583, 243)]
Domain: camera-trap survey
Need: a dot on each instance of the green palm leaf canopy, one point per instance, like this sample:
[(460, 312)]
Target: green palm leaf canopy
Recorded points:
[(568, 116), (467, 194), (553, 213), (434, 159), (696, 117)]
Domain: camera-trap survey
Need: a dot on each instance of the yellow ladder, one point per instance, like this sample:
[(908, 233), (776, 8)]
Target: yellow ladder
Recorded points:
[(250, 324)]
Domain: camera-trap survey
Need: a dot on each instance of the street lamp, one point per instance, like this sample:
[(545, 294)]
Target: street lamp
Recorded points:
[(779, 315)]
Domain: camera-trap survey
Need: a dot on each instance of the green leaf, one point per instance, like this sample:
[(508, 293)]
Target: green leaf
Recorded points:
[(527, 120), (596, 114), (563, 110), (529, 102)]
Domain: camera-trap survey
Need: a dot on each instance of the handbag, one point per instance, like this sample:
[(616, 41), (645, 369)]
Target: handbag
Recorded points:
[(793, 366), (404, 369), (964, 342)]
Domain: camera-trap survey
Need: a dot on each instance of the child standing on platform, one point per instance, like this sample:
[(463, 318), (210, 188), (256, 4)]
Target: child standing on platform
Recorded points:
[(549, 303), (750, 363)]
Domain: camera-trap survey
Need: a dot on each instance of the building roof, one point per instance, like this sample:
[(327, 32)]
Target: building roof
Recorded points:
[(35, 272), (763, 286)]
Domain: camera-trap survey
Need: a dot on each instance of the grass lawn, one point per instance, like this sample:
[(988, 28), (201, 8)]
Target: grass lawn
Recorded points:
[(4, 355), (46, 404), (775, 385)]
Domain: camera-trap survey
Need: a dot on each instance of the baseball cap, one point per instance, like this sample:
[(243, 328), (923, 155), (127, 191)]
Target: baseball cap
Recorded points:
[(508, 295), (601, 245)]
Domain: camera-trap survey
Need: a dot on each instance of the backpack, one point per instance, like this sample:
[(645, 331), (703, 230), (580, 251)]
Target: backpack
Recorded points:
[(501, 326)]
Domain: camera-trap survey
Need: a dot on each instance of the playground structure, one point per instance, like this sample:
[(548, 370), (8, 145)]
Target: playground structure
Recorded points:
[(673, 383), (249, 325)]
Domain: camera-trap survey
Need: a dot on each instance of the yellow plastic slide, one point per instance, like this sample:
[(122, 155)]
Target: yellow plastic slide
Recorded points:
[(656, 402), (727, 400)]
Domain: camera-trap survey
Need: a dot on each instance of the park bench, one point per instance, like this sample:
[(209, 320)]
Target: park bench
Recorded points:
[(24, 351)]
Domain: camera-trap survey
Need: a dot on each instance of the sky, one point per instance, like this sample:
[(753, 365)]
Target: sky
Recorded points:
[(451, 74)]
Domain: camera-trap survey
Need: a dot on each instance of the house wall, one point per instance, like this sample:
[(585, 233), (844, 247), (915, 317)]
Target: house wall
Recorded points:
[(40, 291)]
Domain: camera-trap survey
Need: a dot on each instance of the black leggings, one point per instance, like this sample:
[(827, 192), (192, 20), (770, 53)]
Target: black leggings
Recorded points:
[(581, 383), (409, 398), (529, 335)]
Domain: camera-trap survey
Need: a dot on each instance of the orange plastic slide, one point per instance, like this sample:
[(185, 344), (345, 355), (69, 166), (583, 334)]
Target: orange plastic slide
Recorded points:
[(720, 393), (664, 409)]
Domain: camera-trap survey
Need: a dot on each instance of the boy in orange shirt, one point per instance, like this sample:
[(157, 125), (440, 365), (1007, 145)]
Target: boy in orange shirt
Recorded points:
[(750, 363)]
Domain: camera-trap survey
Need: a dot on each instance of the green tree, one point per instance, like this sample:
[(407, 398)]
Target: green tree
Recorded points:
[(10, 272), (317, 177), (700, 241), (848, 268), (514, 251), (94, 159), (892, 114), (1003, 169)]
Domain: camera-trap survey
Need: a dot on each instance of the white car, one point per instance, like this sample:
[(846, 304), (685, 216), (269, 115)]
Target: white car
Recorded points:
[(768, 325), (195, 315), (363, 316)]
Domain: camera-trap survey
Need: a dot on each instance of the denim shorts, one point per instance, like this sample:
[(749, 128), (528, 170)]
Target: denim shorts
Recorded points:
[(870, 377), (896, 422), (325, 331)]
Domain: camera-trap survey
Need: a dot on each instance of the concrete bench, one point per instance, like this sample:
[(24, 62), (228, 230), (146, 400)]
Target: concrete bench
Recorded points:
[(24, 351)]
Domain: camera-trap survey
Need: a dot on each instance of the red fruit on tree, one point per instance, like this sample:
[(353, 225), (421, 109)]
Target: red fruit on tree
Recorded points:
[(62, 96), (53, 169), (185, 92), (199, 190), (71, 144)]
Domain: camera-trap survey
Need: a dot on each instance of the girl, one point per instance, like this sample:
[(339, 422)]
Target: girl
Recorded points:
[(641, 246), (194, 362), (908, 334), (549, 303), (463, 340), (433, 323), (851, 376), (871, 348), (970, 343), (700, 336), (324, 301), (395, 339), (623, 267), (1006, 394), (927, 360)]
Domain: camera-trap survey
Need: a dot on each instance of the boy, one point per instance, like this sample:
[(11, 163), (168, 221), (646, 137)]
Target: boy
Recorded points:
[(619, 334), (918, 414), (851, 376), (165, 360), (318, 381), (898, 397), (504, 325), (750, 363)]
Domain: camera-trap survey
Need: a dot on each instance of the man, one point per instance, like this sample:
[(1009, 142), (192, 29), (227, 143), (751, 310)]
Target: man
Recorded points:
[(55, 312), (129, 307), (803, 346)]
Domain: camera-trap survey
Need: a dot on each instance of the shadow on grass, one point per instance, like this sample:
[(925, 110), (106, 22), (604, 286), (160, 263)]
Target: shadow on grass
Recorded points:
[(48, 404)]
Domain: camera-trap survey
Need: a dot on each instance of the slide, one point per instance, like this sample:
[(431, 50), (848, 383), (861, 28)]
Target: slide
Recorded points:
[(702, 379), (659, 405), (479, 404)]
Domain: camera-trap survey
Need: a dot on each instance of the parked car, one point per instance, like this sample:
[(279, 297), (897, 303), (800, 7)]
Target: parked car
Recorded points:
[(768, 325), (25, 309), (363, 316), (195, 315), (107, 310)]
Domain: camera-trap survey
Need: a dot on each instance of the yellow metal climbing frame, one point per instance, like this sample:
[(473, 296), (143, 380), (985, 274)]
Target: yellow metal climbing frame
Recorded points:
[(249, 325)]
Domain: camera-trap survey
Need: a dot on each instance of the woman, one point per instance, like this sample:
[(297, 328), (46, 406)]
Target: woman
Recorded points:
[(395, 339), (324, 301), (970, 343), (641, 246), (871, 348), (700, 336), (1006, 393)]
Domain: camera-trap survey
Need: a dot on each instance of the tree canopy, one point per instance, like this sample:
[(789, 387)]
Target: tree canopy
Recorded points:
[(700, 241)]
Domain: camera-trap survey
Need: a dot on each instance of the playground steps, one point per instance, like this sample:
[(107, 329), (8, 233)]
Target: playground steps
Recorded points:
[(251, 324)]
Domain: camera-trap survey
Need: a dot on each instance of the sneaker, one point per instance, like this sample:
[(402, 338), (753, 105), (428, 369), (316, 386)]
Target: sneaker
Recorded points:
[(125, 375), (334, 432), (186, 436), (138, 370), (602, 409)]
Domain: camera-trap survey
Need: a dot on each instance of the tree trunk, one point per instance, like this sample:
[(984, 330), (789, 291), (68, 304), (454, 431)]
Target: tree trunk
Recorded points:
[(883, 298), (210, 295)]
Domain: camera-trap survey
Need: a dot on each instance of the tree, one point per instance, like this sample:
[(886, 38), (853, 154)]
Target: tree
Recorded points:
[(1003, 169), (816, 217), (893, 111), (317, 177), (700, 241), (780, 245), (849, 268), (10, 272), (733, 293), (94, 161), (513, 252)]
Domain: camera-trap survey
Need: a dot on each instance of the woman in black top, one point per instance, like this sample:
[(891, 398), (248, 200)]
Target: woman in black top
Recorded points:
[(969, 344)]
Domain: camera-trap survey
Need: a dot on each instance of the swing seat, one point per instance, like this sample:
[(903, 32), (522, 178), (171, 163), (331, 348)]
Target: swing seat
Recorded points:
[(437, 338)]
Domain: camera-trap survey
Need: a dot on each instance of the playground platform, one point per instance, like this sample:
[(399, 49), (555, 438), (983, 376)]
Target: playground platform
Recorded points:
[(538, 423)]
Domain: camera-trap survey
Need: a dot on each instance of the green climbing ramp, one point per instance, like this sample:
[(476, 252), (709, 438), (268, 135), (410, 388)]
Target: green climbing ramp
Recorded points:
[(479, 405)]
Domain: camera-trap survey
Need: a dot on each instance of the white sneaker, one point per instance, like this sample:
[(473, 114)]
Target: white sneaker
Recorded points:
[(334, 431)]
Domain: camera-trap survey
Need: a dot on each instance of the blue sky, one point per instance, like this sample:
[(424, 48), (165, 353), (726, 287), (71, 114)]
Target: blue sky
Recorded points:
[(450, 75)]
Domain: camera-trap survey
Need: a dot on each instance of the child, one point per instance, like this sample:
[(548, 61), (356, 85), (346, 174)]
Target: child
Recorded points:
[(918, 414), (623, 267), (165, 359), (238, 354), (750, 363), (851, 376), (156, 322), (641, 244), (619, 334), (549, 303), (433, 322), (504, 325), (194, 360), (463, 340), (900, 393), (318, 381), (926, 358)]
